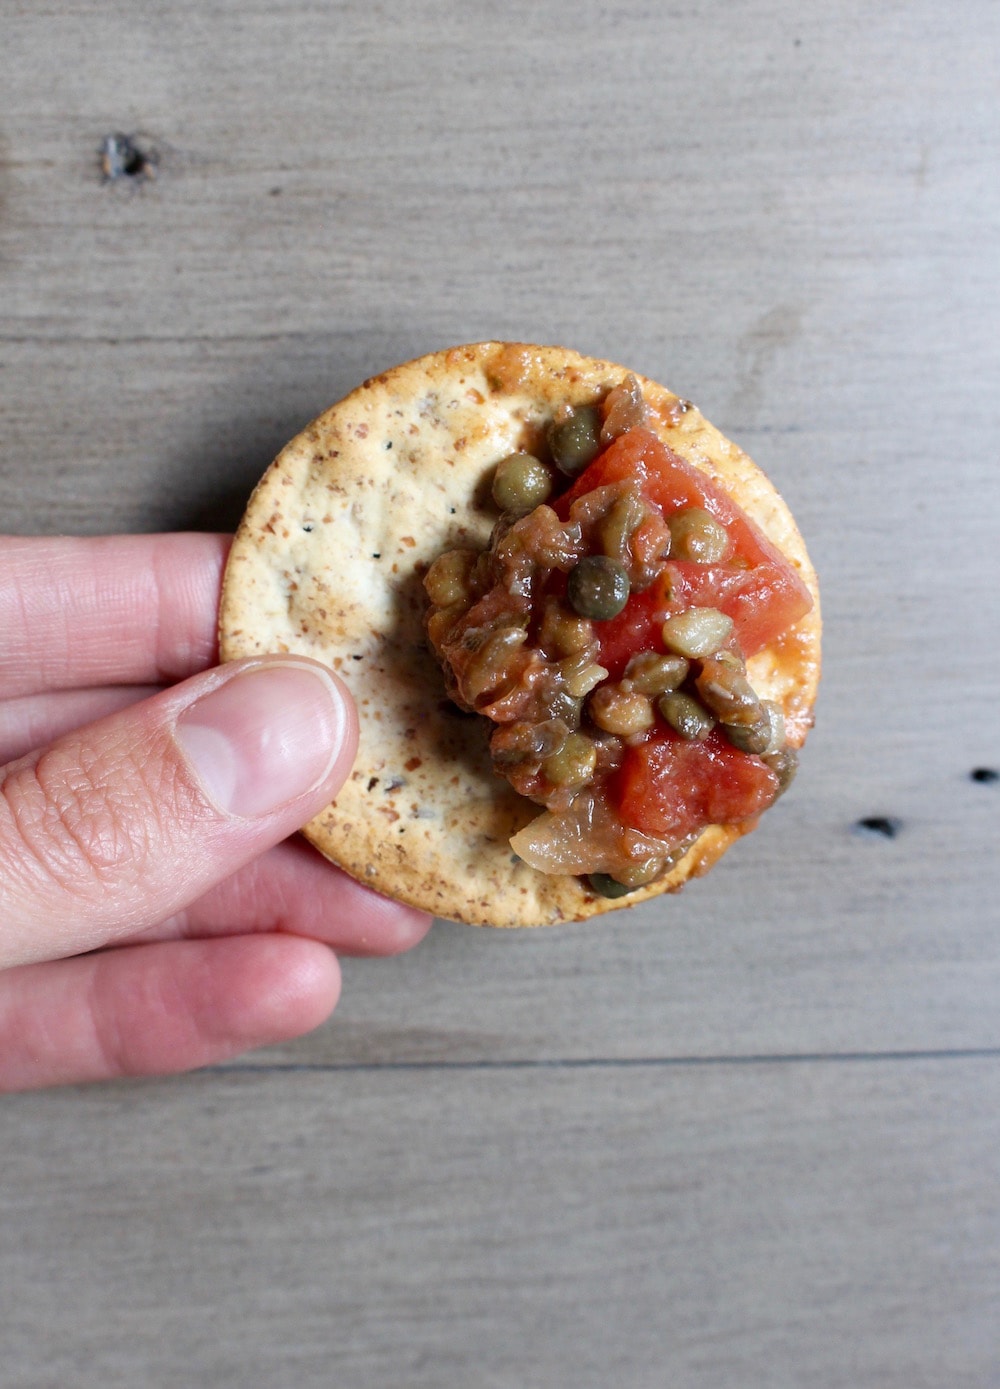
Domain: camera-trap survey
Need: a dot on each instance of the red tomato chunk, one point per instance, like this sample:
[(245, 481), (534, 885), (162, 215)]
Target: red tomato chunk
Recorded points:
[(672, 789), (756, 586)]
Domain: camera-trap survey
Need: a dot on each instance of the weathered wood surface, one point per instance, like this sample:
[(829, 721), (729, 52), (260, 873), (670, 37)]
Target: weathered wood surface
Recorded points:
[(582, 1156), (830, 1224)]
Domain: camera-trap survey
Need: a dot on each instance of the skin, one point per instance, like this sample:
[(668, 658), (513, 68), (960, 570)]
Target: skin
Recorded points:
[(143, 928)]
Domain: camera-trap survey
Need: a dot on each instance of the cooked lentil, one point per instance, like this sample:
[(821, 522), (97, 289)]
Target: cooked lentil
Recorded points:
[(784, 763), (686, 716), (620, 711), (750, 737), (514, 743), (563, 632), (728, 694), (652, 673), (695, 535), (448, 579), (576, 440), (606, 886), (573, 764), (581, 678), (697, 631), (617, 527), (598, 587), (624, 409), (521, 483)]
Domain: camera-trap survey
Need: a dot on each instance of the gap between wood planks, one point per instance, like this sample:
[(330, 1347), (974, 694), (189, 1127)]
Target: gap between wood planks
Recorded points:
[(621, 1063)]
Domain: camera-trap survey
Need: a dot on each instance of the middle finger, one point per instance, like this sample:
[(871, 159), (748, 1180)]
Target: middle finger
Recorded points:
[(34, 721), (293, 889)]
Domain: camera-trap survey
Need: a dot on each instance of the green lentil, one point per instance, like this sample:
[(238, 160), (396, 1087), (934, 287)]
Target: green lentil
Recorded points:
[(606, 886), (695, 535), (652, 673), (563, 632), (576, 441), (697, 632), (784, 763), (521, 483), (751, 737), (581, 673), (573, 764), (729, 694), (615, 529), (686, 716), (449, 577), (514, 743), (620, 711), (598, 587), (489, 668)]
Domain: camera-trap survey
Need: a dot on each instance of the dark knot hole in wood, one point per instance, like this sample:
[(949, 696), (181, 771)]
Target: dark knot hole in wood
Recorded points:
[(884, 826), (126, 157)]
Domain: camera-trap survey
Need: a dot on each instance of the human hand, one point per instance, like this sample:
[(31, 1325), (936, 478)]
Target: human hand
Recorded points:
[(147, 815)]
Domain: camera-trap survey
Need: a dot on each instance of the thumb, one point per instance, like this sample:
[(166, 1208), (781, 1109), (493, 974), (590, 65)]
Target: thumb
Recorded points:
[(120, 824)]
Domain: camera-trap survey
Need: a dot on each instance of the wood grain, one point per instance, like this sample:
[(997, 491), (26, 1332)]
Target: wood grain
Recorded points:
[(586, 1156), (826, 1223)]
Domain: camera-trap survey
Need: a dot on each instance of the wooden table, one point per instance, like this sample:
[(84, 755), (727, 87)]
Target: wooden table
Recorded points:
[(744, 1137)]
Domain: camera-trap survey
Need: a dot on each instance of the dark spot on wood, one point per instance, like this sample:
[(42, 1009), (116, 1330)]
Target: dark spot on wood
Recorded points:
[(127, 158), (883, 826)]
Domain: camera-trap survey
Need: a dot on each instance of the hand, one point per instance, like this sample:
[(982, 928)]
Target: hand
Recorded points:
[(146, 815)]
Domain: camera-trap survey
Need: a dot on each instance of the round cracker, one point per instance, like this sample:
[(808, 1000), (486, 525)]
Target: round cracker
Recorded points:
[(328, 563)]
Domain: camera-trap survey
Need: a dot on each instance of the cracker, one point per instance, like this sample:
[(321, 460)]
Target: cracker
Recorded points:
[(328, 563)]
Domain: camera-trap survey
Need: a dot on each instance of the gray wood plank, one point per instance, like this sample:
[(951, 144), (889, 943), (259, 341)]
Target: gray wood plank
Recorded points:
[(645, 174), (824, 1224), (481, 1172)]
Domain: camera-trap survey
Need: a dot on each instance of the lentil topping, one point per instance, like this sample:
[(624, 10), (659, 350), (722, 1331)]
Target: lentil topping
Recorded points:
[(604, 634)]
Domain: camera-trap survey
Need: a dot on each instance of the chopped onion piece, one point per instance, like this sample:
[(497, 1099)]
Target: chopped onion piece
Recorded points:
[(587, 838)]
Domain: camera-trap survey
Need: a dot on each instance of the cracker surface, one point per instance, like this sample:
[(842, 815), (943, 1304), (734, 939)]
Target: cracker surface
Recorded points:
[(328, 562)]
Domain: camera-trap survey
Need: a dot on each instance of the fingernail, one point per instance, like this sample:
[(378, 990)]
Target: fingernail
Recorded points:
[(265, 737)]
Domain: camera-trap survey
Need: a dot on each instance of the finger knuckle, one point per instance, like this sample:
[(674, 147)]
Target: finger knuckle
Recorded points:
[(82, 821)]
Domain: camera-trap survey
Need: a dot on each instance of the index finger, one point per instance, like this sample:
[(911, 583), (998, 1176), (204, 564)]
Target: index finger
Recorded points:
[(113, 610)]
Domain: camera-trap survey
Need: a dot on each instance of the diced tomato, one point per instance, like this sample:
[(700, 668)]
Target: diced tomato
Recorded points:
[(636, 628), (756, 587), (671, 789)]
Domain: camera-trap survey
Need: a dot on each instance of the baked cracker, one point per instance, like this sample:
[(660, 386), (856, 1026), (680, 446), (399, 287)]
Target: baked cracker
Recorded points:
[(328, 562)]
